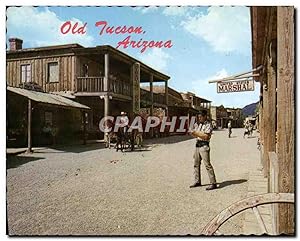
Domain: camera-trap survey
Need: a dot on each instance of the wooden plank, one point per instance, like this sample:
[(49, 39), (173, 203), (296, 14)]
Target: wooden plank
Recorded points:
[(9, 74), (29, 146), (166, 100), (259, 220), (72, 81), (274, 171), (16, 76), (34, 74), (64, 69), (44, 69), (237, 75), (265, 127), (68, 84), (106, 72), (270, 89), (26, 58), (285, 113), (15, 70), (40, 73)]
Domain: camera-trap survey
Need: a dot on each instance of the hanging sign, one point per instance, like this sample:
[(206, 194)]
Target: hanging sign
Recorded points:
[(235, 86)]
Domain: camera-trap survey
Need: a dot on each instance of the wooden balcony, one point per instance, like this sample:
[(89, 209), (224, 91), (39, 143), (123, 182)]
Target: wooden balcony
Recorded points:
[(96, 85)]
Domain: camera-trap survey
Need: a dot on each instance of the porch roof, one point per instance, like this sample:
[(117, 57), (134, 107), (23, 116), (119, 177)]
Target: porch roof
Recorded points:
[(122, 56), (47, 98)]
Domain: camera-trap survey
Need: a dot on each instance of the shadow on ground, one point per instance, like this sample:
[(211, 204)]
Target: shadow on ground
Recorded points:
[(231, 182), (168, 140), (142, 149), (78, 148), (13, 161)]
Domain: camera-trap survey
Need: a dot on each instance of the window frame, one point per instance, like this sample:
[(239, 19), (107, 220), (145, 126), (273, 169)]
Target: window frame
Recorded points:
[(21, 73), (48, 72)]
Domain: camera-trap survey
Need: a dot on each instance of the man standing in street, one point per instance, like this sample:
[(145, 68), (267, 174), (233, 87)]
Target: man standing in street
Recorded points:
[(202, 131), (229, 128)]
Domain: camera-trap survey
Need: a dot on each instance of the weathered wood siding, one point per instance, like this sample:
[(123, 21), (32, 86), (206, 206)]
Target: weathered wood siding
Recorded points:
[(39, 72), (286, 113)]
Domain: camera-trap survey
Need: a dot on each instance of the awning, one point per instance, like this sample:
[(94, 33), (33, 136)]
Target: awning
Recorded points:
[(47, 98)]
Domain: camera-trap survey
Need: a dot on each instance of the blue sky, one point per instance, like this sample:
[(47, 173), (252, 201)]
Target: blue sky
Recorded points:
[(208, 42)]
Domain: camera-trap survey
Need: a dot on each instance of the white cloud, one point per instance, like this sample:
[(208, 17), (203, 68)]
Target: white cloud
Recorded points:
[(226, 29), (156, 58), (144, 10), (175, 11), (42, 27), (208, 91)]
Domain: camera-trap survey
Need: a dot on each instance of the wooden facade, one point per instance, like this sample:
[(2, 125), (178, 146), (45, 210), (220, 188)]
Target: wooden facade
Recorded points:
[(273, 48), (221, 116), (39, 62), (103, 78)]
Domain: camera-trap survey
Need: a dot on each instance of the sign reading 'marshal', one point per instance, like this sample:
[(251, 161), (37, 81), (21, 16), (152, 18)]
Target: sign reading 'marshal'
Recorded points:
[(235, 86)]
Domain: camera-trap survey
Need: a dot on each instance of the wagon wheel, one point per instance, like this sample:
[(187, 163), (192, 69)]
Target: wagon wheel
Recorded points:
[(247, 203)]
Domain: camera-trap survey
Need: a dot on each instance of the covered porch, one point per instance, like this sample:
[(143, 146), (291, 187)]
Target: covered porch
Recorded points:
[(32, 113), (113, 76)]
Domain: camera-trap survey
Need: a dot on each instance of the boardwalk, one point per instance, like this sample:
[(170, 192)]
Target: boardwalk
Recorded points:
[(95, 191)]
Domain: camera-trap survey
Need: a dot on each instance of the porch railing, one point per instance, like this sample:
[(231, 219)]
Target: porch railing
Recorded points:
[(96, 84), (90, 84)]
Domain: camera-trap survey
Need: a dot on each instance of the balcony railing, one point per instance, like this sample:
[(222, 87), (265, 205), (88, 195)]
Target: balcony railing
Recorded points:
[(90, 84), (96, 84), (120, 87)]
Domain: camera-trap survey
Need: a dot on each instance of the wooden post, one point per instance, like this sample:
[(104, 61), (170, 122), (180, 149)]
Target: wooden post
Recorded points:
[(106, 72), (167, 97), (286, 112), (106, 87), (29, 144), (135, 79), (166, 93), (266, 127), (271, 117), (273, 188), (84, 127), (151, 107)]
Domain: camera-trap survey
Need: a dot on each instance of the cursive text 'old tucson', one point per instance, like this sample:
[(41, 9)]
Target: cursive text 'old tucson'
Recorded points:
[(129, 41)]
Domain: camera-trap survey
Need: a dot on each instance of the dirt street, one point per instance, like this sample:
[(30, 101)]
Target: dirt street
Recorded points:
[(96, 191)]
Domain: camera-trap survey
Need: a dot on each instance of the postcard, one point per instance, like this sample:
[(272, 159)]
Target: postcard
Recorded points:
[(150, 120)]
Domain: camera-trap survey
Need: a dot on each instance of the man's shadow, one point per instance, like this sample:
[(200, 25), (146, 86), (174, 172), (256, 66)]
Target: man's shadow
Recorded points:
[(231, 182)]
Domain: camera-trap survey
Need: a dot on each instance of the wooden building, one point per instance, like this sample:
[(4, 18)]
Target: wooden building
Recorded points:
[(196, 102), (273, 48), (102, 77), (221, 115), (35, 118), (179, 104)]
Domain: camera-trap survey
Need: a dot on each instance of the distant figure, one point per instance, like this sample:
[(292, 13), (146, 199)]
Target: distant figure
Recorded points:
[(248, 129), (229, 129)]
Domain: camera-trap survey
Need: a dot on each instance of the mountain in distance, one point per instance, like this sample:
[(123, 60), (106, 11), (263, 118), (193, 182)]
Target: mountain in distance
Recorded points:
[(250, 109)]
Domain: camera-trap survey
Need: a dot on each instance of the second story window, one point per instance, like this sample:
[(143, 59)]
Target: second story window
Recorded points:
[(53, 73), (26, 73)]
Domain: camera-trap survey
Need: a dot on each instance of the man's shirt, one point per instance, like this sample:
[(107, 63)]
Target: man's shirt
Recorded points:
[(206, 127)]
